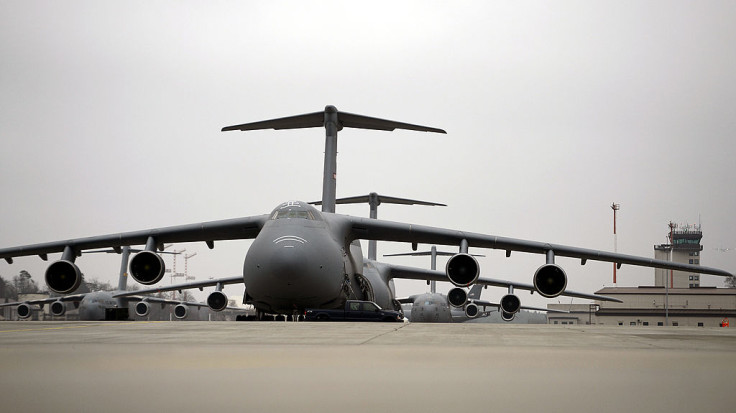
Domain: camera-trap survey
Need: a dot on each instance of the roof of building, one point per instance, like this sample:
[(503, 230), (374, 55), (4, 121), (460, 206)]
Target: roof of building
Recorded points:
[(661, 290)]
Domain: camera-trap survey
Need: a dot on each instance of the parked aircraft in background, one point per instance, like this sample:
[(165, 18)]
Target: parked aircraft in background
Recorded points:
[(106, 305), (304, 258), (457, 305)]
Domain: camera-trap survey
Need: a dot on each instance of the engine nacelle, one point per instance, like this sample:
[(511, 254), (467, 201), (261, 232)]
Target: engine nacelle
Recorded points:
[(181, 311), (507, 316), (58, 308), (510, 304), (63, 277), (550, 280), (24, 311), (462, 269), (147, 267), (142, 308), (217, 301), (457, 297), (472, 310)]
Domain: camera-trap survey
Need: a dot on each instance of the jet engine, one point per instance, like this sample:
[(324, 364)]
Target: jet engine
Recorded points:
[(507, 316), (24, 311), (63, 277), (457, 297), (58, 308), (142, 309), (181, 311), (550, 280), (462, 269), (510, 304), (217, 301), (471, 310), (147, 267)]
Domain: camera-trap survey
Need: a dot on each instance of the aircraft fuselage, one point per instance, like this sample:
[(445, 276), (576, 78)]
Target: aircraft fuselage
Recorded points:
[(295, 263), (302, 259)]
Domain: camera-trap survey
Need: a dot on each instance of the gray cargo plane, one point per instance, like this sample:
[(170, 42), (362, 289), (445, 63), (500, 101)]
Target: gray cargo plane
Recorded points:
[(434, 307), (105, 305), (304, 258), (460, 306)]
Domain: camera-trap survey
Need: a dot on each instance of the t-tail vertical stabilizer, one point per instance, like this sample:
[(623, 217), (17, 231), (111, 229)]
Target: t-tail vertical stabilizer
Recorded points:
[(333, 121)]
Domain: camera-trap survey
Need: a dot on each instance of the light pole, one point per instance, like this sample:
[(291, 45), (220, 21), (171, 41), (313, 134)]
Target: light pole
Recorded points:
[(615, 207)]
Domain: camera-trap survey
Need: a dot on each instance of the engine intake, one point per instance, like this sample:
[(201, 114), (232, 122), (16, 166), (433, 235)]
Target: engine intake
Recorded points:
[(550, 280), (462, 269), (142, 309), (510, 304), (457, 297), (471, 310), (181, 311), (147, 267), (507, 316), (63, 277), (217, 301), (58, 308), (24, 311)]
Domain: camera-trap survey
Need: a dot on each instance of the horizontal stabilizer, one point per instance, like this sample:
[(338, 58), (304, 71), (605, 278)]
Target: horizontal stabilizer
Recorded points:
[(364, 199), (344, 120), (310, 120)]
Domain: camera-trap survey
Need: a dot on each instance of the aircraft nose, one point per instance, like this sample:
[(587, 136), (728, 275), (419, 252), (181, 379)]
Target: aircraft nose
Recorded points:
[(289, 263)]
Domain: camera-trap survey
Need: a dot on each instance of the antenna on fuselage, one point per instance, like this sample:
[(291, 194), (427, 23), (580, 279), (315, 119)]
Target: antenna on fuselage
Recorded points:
[(374, 200), (333, 121)]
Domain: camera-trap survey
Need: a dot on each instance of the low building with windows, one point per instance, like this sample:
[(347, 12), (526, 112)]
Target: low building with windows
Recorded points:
[(653, 306)]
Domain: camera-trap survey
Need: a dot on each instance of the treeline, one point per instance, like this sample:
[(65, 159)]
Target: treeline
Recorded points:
[(23, 283)]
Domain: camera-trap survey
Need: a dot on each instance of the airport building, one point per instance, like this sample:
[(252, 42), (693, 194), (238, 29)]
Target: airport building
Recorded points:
[(676, 299), (653, 306)]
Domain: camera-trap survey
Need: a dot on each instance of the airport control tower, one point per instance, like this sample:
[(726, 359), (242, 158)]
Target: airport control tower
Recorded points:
[(685, 247)]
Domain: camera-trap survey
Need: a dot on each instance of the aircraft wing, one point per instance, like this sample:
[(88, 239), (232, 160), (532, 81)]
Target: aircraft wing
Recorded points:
[(412, 273), (42, 301), (497, 305), (162, 300), (407, 300), (229, 229), (375, 229), (184, 286)]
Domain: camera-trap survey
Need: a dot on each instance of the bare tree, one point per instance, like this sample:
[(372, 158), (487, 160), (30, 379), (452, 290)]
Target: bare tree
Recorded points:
[(24, 284), (7, 290)]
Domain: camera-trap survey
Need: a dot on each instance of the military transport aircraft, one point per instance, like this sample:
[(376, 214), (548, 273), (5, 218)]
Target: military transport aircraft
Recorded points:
[(304, 258), (434, 307), (460, 306), (107, 305)]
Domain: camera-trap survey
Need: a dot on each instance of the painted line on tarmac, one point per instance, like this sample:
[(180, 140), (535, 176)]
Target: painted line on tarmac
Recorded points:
[(68, 327)]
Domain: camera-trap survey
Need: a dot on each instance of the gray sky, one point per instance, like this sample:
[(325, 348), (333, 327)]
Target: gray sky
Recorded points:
[(110, 117)]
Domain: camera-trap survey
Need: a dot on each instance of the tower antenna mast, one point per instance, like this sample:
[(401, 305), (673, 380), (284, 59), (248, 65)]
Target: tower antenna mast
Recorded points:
[(615, 207)]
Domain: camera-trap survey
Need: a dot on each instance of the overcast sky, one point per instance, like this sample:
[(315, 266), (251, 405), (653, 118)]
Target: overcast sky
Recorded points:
[(110, 118)]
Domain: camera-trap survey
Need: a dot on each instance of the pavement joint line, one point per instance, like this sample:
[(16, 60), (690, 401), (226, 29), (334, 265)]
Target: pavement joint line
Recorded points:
[(383, 334)]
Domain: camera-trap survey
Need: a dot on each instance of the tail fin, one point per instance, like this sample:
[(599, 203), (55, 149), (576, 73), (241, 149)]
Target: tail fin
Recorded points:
[(333, 121)]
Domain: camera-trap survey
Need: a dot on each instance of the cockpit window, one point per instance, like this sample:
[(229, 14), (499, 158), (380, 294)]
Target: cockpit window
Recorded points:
[(292, 213)]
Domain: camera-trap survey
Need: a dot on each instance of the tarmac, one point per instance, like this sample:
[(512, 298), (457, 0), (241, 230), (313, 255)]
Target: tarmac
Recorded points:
[(363, 367)]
